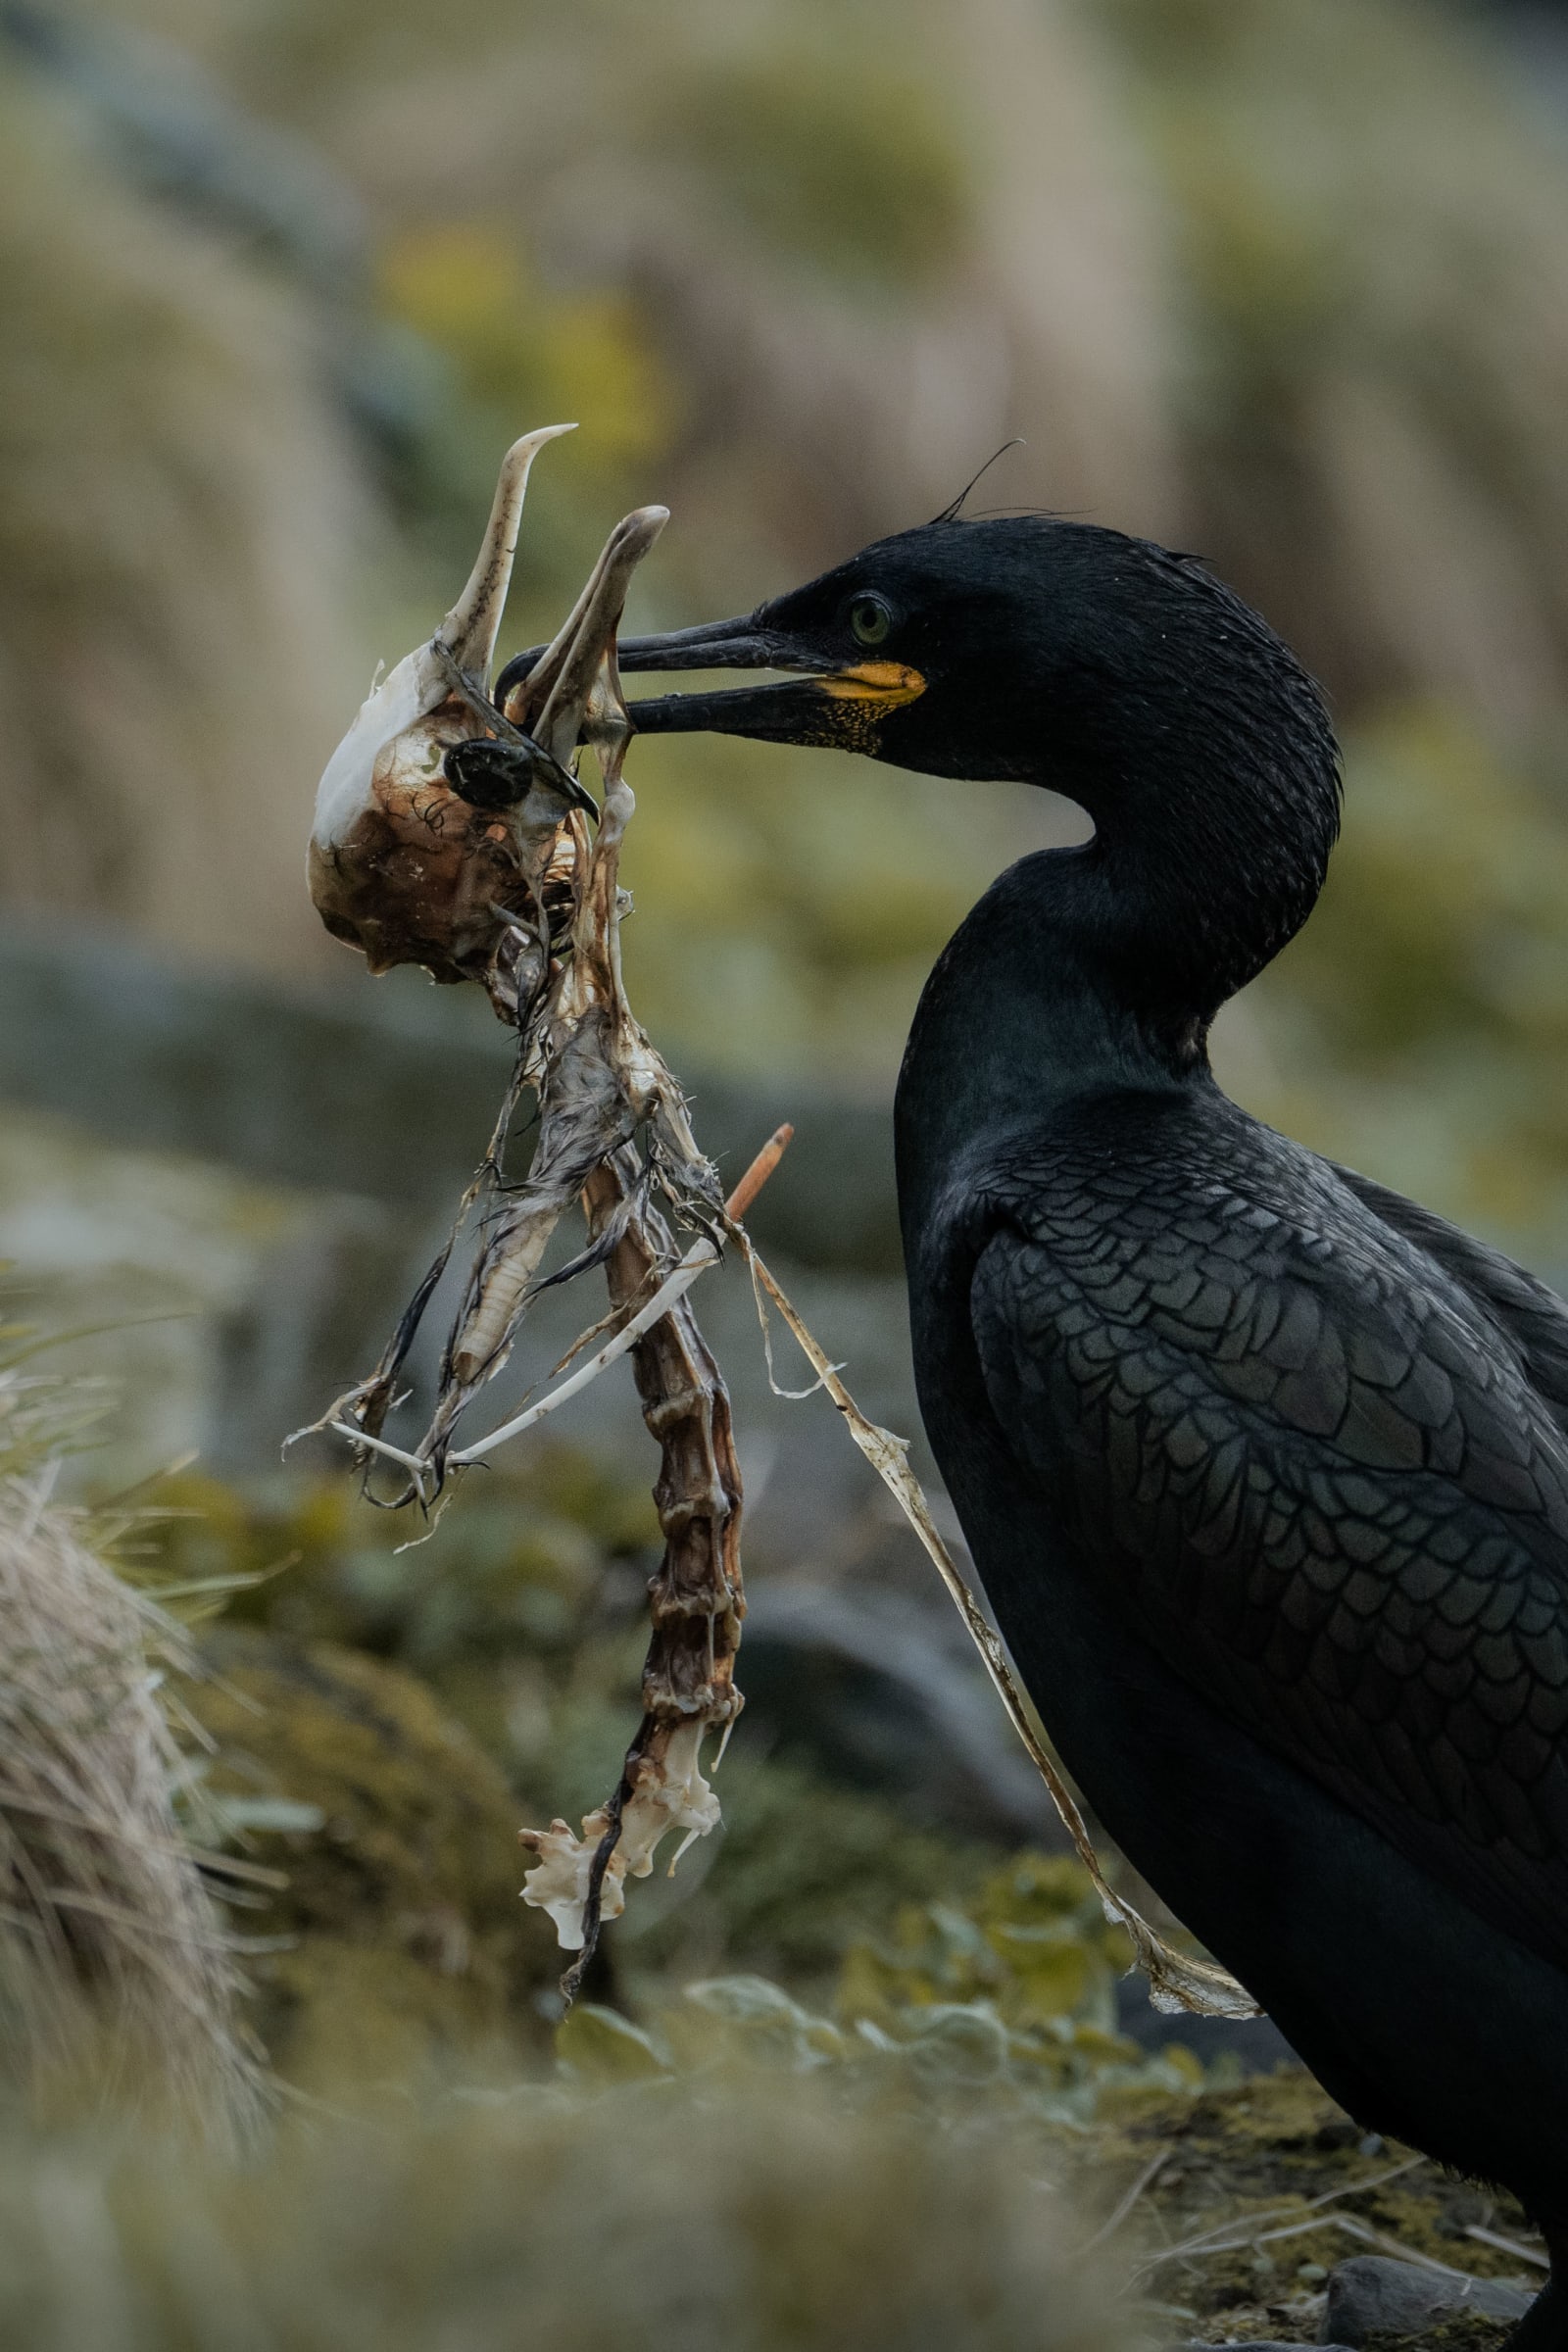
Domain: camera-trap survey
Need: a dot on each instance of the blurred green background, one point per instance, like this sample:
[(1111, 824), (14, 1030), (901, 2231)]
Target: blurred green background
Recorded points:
[(1281, 280)]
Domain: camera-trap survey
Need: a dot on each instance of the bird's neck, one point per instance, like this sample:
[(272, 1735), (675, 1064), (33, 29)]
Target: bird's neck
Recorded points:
[(1081, 972)]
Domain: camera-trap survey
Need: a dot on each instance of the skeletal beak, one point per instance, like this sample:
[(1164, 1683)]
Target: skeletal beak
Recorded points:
[(469, 630), (424, 679), (440, 811), (574, 683)]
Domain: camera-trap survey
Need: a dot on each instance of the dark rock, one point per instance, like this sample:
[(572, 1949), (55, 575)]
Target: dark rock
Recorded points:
[(390, 1092), (884, 1690), (1371, 2295), (1250, 2347)]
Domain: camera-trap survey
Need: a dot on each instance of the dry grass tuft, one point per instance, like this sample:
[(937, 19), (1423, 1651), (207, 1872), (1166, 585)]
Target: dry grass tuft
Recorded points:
[(114, 1965)]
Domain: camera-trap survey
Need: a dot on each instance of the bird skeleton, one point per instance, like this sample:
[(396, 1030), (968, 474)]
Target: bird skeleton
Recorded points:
[(453, 832)]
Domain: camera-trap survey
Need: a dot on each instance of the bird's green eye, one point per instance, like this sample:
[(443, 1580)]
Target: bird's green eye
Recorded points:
[(871, 619)]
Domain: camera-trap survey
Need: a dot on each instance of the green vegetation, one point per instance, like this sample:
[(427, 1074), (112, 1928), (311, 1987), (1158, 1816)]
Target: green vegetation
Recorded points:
[(1417, 1026), (836, 162), (647, 2218), (522, 1621)]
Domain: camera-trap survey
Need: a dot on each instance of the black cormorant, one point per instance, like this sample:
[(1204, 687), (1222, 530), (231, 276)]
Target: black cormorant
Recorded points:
[(1264, 1467)]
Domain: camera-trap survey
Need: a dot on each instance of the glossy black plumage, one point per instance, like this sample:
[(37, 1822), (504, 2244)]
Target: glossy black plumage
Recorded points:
[(1265, 1469)]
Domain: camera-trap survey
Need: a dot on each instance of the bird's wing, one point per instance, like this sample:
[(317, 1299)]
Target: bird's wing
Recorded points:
[(1531, 1316), (1321, 1486)]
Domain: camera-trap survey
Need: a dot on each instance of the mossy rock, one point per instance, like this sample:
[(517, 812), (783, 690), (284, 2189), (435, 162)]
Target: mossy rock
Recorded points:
[(1262, 2152), (406, 1943)]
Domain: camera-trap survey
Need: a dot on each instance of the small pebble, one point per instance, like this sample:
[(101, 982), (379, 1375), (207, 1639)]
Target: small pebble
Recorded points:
[(1312, 2273)]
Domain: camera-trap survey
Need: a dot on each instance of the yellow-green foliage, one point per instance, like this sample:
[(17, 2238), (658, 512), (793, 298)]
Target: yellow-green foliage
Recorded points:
[(403, 1939), (523, 349), (806, 898), (1003, 2009), (524, 1618), (853, 171), (1020, 1980), (515, 347), (801, 1867), (502, 1613), (1472, 959), (1417, 1026), (1034, 1942), (518, 1565)]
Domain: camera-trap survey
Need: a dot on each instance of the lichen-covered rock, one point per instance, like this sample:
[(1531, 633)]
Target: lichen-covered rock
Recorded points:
[(405, 1943)]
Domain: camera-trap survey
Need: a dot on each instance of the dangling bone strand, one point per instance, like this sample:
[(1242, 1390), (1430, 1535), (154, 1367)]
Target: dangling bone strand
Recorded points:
[(697, 1600)]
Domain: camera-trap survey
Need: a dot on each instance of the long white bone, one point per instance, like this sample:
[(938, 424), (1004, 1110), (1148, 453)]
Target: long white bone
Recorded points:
[(698, 1259)]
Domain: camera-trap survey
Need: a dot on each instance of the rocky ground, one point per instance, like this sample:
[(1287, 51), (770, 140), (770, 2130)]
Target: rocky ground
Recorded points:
[(1246, 2201)]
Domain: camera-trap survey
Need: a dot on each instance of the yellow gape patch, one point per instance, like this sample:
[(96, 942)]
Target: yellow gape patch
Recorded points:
[(885, 683), (864, 696)]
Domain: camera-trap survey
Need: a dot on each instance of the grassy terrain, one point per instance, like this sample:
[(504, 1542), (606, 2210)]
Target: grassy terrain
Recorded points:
[(835, 1998)]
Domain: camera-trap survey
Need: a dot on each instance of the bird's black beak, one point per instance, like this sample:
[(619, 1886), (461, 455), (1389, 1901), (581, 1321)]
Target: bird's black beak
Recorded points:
[(775, 712), (827, 704)]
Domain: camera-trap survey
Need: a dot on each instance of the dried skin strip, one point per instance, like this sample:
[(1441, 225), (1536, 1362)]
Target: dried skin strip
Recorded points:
[(699, 1257), (598, 1079), (1176, 1981)]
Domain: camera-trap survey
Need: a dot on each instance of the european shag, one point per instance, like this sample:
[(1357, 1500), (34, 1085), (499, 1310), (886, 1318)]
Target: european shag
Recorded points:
[(1264, 1467)]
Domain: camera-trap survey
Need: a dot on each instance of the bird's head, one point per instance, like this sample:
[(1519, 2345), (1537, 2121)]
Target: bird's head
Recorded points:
[(1015, 647), (1059, 654)]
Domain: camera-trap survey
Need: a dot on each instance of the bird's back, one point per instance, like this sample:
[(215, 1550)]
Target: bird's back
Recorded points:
[(1300, 1458)]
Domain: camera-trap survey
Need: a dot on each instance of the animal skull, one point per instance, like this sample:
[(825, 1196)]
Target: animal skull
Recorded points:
[(434, 813)]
